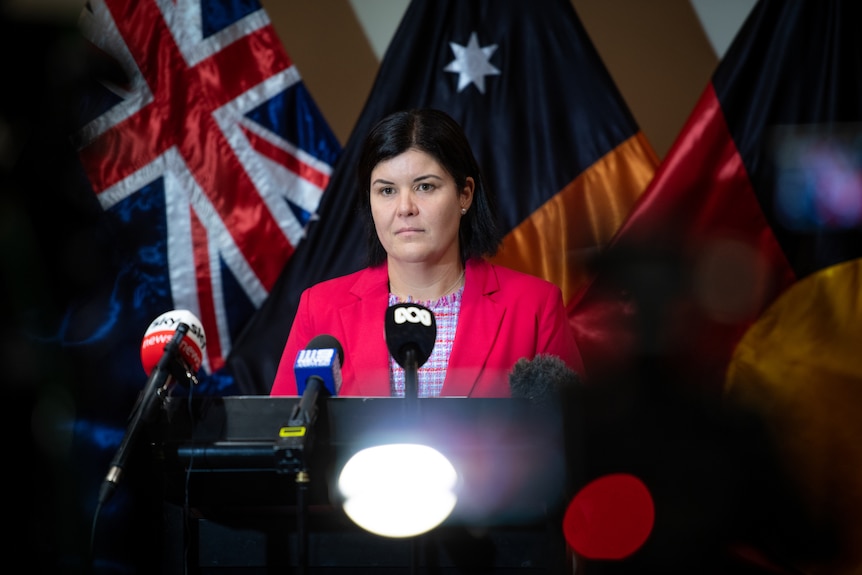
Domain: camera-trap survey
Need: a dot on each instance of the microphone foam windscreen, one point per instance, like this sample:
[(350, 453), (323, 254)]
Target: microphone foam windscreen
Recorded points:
[(410, 326), (540, 379)]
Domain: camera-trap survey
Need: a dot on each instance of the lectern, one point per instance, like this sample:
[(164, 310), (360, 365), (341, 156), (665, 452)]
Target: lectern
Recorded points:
[(239, 498)]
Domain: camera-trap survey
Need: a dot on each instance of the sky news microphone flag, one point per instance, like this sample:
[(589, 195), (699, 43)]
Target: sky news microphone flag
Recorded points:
[(760, 201), (555, 139), (208, 159)]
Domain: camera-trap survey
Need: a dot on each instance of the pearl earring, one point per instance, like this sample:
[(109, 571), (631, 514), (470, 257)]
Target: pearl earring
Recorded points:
[(463, 211)]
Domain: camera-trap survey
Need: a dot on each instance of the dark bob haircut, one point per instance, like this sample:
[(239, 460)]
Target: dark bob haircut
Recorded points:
[(439, 135)]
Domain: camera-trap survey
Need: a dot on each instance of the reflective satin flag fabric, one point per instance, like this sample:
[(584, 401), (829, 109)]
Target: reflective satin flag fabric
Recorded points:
[(749, 241), (209, 158), (206, 158), (556, 142)]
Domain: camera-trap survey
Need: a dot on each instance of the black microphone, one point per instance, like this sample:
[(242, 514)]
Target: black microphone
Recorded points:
[(552, 392), (411, 331), (542, 379), (179, 323)]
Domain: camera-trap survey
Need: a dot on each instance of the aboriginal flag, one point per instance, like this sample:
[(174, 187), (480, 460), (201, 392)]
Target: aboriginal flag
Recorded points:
[(738, 270)]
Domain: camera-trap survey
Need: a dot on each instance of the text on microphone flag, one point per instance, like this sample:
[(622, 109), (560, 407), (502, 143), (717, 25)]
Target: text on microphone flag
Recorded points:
[(413, 314), (316, 357), (162, 329)]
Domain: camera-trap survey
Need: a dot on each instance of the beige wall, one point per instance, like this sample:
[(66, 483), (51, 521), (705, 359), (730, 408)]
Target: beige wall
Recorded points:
[(329, 47), (657, 52)]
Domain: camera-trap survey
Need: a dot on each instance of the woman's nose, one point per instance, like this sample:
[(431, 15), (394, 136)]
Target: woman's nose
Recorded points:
[(406, 204)]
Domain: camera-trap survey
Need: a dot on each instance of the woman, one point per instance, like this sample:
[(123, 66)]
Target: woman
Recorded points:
[(431, 226)]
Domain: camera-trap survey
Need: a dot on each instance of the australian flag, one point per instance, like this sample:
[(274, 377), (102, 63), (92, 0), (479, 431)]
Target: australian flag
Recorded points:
[(206, 158), (209, 156)]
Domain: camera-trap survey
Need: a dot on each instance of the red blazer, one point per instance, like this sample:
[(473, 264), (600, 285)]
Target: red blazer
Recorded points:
[(505, 315)]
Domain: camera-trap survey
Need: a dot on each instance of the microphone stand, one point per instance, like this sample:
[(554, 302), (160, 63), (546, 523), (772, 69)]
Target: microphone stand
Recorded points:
[(303, 415), (411, 394), (142, 412), (411, 374)]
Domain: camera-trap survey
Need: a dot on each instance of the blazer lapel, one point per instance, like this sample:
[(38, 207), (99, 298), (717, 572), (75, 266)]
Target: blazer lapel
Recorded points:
[(478, 328), (363, 320)]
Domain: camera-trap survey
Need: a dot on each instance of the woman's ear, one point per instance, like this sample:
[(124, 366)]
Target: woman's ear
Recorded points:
[(466, 198)]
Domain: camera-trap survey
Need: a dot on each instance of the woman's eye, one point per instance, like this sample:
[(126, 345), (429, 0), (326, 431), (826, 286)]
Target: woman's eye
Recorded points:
[(386, 191), (425, 187)]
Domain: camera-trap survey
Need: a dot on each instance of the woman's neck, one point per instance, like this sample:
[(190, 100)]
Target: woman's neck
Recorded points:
[(425, 283)]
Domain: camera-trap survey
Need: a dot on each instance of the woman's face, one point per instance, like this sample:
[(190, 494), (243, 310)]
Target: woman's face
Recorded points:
[(416, 208)]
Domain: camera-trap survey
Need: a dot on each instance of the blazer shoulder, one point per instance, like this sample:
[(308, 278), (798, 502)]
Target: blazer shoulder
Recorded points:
[(335, 285), (359, 283), (511, 277)]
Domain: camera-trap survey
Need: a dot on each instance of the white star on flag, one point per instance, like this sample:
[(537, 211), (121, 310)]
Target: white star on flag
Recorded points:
[(471, 63)]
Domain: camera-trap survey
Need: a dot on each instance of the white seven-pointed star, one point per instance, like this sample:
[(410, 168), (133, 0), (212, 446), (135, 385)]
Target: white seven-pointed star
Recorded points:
[(471, 63)]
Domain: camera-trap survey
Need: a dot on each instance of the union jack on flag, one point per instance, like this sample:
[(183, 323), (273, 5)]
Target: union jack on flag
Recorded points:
[(209, 155)]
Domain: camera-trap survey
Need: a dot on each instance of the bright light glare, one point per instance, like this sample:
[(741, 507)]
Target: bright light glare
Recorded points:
[(398, 490)]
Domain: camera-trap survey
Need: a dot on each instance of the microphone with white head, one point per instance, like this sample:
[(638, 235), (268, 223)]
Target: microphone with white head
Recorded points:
[(190, 349), (172, 349)]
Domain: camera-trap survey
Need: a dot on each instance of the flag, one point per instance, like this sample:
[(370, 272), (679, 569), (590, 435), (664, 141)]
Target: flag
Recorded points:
[(738, 269), (555, 140), (206, 158), (211, 159)]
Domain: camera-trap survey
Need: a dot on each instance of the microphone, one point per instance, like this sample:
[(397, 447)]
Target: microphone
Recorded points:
[(161, 331), (320, 361), (542, 379), (411, 331), (317, 368), (168, 331)]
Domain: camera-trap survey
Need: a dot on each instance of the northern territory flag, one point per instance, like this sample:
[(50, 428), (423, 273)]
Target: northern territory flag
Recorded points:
[(738, 271), (556, 142)]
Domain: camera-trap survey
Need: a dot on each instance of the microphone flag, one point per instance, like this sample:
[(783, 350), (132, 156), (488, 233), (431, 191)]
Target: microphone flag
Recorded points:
[(161, 331), (410, 327), (320, 363)]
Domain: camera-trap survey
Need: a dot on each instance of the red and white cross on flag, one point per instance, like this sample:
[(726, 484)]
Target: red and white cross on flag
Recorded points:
[(215, 123)]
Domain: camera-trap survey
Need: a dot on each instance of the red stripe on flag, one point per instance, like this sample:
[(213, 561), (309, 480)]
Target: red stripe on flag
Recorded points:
[(288, 160), (203, 275)]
